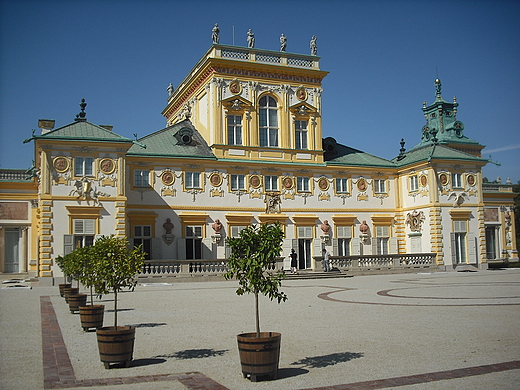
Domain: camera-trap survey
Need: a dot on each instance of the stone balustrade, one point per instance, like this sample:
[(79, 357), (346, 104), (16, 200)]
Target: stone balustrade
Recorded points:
[(378, 262)]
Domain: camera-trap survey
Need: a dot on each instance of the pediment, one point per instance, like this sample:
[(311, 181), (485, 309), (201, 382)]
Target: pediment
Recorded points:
[(236, 103), (303, 109)]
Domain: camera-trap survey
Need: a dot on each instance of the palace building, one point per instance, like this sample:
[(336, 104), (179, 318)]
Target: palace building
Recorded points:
[(244, 144)]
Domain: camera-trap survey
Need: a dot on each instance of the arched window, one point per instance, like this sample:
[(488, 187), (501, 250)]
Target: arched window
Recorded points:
[(268, 122)]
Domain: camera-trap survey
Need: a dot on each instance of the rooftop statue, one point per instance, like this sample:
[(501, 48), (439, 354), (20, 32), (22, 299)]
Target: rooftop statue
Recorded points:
[(215, 34), (283, 42), (250, 39), (314, 46)]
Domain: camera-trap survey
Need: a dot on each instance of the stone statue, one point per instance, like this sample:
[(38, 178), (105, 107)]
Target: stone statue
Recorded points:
[(283, 42), (168, 226), (250, 39), (217, 226), (170, 89), (272, 202), (325, 227), (215, 34), (363, 228), (314, 46)]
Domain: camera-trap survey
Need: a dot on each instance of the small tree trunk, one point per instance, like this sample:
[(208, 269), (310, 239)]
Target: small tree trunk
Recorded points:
[(257, 315), (91, 297), (115, 309)]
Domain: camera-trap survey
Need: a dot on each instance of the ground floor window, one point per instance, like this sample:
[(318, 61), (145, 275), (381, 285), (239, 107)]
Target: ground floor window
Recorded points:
[(458, 242), (193, 236), (84, 232), (143, 236), (492, 251), (382, 239), (344, 235)]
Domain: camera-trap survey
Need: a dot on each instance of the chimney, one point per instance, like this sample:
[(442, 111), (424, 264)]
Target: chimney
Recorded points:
[(46, 125)]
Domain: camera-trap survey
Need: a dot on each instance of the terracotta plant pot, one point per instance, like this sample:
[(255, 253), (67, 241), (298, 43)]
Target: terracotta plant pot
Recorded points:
[(62, 288), (259, 356), (75, 301), (116, 345), (91, 316), (70, 291)]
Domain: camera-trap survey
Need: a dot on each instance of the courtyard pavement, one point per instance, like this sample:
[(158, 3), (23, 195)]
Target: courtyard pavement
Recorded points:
[(443, 330)]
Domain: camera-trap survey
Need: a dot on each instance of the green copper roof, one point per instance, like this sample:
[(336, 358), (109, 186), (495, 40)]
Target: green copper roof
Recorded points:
[(337, 154), (434, 152), (83, 131), (179, 140)]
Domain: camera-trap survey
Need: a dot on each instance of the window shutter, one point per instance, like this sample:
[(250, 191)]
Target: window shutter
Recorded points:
[(181, 248), (472, 248), (453, 249), (393, 245), (335, 245), (356, 246), (317, 247), (68, 244), (207, 249), (374, 246), (287, 245), (156, 249), (78, 226), (90, 226)]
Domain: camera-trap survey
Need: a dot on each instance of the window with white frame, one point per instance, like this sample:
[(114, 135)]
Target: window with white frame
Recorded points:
[(143, 236), (302, 184), (234, 129), (141, 178), (238, 182), (301, 134), (268, 113), (382, 238), (414, 183), (192, 180), (236, 229), (84, 166), (271, 183), (379, 186), (305, 232), (344, 235), (456, 180), (193, 235), (458, 241), (341, 185), (84, 231)]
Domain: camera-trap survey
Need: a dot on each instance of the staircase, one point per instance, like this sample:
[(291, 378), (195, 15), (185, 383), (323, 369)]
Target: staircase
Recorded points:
[(306, 274)]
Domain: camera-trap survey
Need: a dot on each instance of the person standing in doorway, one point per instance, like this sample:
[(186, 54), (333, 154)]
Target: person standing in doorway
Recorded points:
[(294, 261), (326, 259)]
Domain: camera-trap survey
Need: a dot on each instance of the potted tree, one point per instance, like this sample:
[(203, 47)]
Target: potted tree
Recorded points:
[(252, 255), (117, 267), (61, 262), (76, 261), (91, 316)]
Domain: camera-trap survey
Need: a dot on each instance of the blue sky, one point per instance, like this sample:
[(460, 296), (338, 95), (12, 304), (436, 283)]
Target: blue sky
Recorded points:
[(383, 58)]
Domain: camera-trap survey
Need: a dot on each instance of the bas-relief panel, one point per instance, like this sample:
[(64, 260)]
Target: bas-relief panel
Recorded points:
[(491, 214), (14, 210)]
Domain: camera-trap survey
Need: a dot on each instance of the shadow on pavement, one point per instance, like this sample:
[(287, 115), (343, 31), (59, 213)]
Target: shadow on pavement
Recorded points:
[(194, 354), (327, 360)]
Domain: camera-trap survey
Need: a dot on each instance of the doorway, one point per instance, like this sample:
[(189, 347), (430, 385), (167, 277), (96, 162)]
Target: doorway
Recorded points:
[(12, 250), (304, 253)]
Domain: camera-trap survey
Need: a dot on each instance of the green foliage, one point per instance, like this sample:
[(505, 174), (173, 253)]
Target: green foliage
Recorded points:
[(252, 254)]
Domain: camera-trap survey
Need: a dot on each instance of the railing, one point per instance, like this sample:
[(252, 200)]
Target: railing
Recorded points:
[(14, 174), (165, 268), (376, 262)]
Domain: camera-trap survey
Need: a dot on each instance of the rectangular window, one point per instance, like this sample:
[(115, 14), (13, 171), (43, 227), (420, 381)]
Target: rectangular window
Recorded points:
[(379, 186), (456, 179), (344, 234), (193, 242), (235, 230), (143, 236), (342, 186), (414, 183), (238, 182), (302, 184), (459, 241), (141, 178), (271, 183), (192, 179), (234, 130), (382, 238), (301, 134), (84, 166), (84, 231), (305, 232)]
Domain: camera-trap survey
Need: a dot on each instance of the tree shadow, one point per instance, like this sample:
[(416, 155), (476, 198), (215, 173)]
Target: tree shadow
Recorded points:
[(146, 362), (328, 360), (194, 354), (112, 310), (290, 372), (149, 325)]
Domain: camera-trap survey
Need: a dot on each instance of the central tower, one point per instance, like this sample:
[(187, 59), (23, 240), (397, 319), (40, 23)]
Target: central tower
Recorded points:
[(253, 104)]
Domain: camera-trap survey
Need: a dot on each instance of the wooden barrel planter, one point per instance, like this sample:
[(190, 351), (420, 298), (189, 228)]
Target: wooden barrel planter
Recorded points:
[(116, 346), (91, 316), (259, 356), (75, 301), (70, 291), (62, 288)]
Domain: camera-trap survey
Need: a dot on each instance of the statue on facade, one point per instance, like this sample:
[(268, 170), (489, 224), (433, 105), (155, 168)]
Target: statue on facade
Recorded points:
[(272, 202), (314, 46), (217, 226), (170, 89), (250, 39), (415, 220), (325, 227), (85, 190), (168, 226), (363, 228), (283, 42), (215, 34)]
